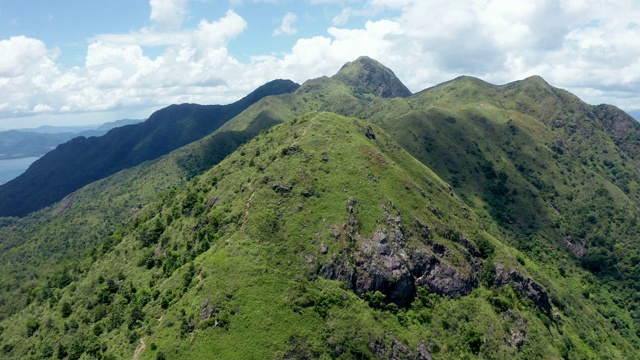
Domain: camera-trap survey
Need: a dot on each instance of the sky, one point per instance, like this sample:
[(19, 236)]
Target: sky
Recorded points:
[(69, 62)]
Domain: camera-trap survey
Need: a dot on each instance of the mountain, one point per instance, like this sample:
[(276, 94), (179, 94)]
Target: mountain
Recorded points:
[(245, 255), (84, 160), (17, 144), (36, 142), (118, 123), (468, 220), (371, 76), (50, 129), (635, 114)]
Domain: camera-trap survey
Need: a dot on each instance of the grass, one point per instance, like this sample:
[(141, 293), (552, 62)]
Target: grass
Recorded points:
[(259, 274)]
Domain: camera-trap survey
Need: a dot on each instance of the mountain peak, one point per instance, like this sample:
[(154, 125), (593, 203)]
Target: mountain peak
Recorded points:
[(370, 75), (535, 81)]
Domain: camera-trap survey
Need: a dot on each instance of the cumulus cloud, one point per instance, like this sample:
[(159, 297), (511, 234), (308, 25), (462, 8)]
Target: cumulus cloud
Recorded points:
[(168, 13), (21, 54), (579, 45), (117, 73), (27, 68), (590, 48), (286, 26)]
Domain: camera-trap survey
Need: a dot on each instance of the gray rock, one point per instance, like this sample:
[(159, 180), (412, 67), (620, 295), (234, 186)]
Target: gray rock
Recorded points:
[(524, 286), (281, 188), (384, 262), (422, 352), (323, 249)]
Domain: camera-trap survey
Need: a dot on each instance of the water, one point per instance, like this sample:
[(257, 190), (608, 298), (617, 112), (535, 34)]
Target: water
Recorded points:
[(10, 169)]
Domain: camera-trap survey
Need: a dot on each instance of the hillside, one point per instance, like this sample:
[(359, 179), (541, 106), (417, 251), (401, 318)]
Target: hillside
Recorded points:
[(84, 160), (280, 251), (558, 176), (468, 220)]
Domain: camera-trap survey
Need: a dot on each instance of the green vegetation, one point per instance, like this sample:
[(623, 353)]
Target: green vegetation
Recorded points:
[(82, 160), (467, 221)]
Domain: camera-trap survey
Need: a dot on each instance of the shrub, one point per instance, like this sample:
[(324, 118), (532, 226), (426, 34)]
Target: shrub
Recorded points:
[(485, 247), (66, 309), (32, 326), (473, 338)]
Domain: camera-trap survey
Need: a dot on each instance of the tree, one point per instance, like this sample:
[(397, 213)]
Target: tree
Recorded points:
[(33, 325), (66, 309)]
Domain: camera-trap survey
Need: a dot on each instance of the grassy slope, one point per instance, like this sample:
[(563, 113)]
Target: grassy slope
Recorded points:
[(45, 242), (538, 162), (252, 257)]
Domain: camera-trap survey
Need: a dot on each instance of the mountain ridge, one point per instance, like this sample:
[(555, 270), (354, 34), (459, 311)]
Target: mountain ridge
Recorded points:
[(247, 258), (464, 221), (83, 160)]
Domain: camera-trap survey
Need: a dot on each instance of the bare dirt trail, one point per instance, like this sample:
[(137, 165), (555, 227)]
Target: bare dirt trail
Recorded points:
[(139, 349)]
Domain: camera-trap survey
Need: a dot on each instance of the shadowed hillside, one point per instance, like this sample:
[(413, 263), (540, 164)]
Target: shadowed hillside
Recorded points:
[(84, 160)]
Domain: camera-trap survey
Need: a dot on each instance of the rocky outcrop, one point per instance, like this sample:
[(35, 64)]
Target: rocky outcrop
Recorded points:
[(517, 334), (577, 249), (524, 286), (384, 262), (396, 350)]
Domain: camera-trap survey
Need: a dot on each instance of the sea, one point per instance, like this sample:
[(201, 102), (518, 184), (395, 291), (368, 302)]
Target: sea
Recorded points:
[(10, 169)]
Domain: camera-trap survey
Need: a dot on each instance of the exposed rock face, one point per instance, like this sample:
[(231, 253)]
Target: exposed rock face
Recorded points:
[(577, 249), (396, 350), (444, 279), (517, 330), (383, 262), (524, 286)]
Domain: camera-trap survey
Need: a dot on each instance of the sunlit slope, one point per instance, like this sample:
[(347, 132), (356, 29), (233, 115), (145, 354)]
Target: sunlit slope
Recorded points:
[(321, 237)]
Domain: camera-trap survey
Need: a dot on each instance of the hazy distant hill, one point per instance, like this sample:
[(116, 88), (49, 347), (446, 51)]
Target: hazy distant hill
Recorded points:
[(38, 141), (84, 160), (469, 220), (16, 144), (54, 129)]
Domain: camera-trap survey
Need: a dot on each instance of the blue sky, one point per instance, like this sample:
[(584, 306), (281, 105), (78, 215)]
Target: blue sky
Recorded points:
[(77, 62)]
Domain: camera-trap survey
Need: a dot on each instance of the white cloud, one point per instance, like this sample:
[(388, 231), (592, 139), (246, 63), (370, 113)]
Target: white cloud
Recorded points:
[(21, 53), (343, 17), (117, 72), (168, 14), (591, 48), (286, 27), (576, 44)]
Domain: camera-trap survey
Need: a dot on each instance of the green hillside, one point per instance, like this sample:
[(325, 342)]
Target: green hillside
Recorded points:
[(558, 176), (467, 221), (280, 251), (84, 160)]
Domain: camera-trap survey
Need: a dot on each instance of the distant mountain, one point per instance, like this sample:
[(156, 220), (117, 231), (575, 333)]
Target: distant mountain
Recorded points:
[(38, 141), (635, 114), (468, 220), (16, 144), (118, 123), (52, 129), (84, 160)]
